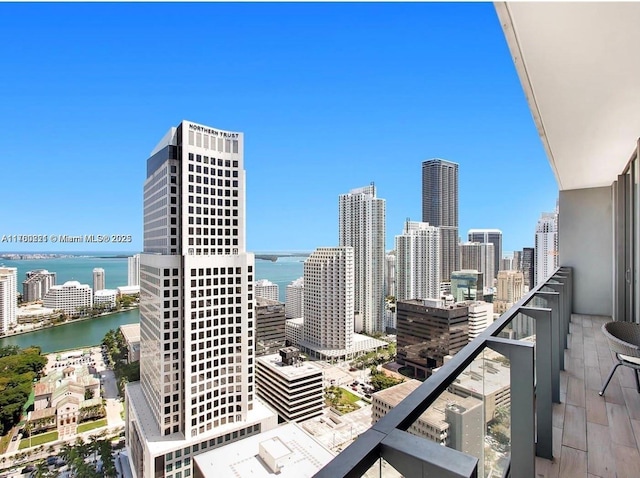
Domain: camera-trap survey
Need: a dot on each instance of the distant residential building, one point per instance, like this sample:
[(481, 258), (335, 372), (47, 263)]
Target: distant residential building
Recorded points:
[(508, 263), (481, 257), (546, 247), (494, 236), (418, 261), (445, 288), (362, 227), (390, 274), (329, 298), (131, 334), (292, 387), (509, 291), (128, 290), (467, 284), (267, 290), (133, 270), (70, 297), (98, 279), (294, 299), (427, 330), (105, 296), (293, 331), (453, 421), (37, 284), (8, 298), (528, 267), (270, 319), (480, 317), (440, 209)]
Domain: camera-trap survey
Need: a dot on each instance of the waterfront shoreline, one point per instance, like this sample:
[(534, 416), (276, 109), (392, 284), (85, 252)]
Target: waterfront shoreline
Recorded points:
[(67, 322)]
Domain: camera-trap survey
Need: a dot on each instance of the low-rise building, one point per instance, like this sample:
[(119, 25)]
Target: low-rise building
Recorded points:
[(452, 420), (64, 398), (290, 386), (131, 334)]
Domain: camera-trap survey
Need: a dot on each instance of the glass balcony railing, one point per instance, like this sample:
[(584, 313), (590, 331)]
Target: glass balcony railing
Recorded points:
[(486, 411)]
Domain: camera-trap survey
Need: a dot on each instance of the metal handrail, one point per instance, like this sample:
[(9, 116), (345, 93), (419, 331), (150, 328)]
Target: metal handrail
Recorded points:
[(359, 456)]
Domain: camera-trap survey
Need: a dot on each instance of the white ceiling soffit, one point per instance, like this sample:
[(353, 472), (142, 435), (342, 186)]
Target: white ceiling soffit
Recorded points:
[(579, 65)]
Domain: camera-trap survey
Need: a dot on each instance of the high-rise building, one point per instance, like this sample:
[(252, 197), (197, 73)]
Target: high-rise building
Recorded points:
[(509, 291), (478, 256), (494, 236), (8, 298), (440, 209), (390, 274), (294, 299), (528, 267), (418, 262), (362, 226), (517, 261), (98, 279), (133, 270), (197, 321), (329, 297), (269, 326), (546, 250), (37, 284), (267, 290)]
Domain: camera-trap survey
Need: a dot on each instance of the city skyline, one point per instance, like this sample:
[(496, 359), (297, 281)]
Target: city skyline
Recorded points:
[(339, 107)]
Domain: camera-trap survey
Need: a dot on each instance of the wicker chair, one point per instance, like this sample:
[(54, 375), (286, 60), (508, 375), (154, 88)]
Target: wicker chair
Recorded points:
[(624, 341)]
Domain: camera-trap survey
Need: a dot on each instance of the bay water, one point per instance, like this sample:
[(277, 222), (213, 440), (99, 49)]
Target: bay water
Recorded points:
[(83, 333)]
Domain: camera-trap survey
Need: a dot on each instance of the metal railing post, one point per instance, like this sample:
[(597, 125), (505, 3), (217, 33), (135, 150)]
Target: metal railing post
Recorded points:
[(544, 402), (523, 445), (557, 354)]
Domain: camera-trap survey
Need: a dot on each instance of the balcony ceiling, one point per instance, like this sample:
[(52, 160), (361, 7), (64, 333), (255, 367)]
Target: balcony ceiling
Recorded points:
[(579, 65)]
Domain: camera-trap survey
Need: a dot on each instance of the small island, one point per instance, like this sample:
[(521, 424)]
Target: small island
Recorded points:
[(274, 257)]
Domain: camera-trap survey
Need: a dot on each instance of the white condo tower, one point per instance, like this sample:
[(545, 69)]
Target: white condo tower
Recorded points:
[(362, 226)]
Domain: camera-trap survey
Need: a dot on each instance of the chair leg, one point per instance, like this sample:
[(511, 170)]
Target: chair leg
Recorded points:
[(637, 380), (606, 384)]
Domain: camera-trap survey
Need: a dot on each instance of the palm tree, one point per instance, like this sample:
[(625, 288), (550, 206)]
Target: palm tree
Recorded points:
[(28, 428), (42, 470), (94, 446)]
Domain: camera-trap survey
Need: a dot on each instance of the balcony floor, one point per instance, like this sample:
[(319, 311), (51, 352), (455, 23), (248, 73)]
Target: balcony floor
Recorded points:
[(593, 436)]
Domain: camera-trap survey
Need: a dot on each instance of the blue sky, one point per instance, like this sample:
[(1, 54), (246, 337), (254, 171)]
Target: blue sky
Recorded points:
[(330, 97)]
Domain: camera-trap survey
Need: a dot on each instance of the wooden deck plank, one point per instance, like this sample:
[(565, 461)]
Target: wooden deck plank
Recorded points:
[(600, 459)]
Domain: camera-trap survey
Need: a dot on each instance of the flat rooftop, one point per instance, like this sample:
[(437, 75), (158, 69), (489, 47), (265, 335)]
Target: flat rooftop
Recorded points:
[(301, 369), (131, 332), (241, 459)]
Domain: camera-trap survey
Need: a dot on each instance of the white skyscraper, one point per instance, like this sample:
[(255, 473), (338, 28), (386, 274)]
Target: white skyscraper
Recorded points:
[(329, 298), (362, 226), (196, 388), (267, 290), (294, 299), (133, 270), (98, 279), (418, 262), (8, 297), (480, 317), (546, 247)]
